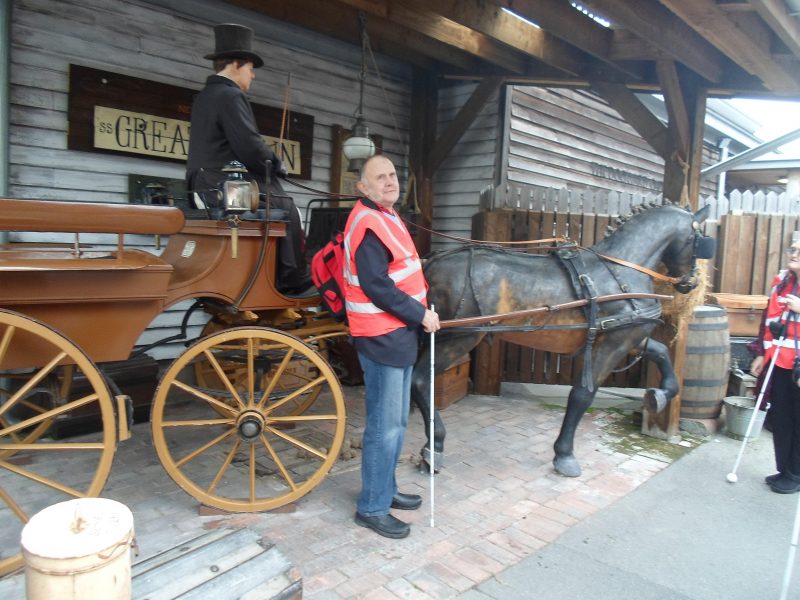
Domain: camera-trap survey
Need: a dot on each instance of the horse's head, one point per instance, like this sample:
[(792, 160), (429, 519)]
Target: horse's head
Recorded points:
[(682, 254)]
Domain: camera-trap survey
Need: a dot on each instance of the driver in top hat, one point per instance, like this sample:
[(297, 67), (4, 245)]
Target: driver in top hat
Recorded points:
[(223, 129)]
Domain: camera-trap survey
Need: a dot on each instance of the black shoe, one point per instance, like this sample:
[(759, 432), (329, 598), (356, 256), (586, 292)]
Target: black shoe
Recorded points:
[(406, 501), (785, 485), (386, 525), (772, 478)]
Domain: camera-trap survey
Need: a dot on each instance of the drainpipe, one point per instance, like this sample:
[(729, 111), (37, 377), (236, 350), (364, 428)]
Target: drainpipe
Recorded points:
[(5, 50), (723, 156)]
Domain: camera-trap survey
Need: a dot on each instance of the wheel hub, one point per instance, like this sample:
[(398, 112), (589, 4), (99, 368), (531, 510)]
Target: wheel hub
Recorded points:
[(250, 425)]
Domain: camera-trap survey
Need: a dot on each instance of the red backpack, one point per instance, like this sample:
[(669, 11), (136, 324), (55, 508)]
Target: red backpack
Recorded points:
[(327, 271)]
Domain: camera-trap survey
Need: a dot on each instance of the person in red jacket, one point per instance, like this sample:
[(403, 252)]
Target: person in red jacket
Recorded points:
[(385, 297), (781, 333)]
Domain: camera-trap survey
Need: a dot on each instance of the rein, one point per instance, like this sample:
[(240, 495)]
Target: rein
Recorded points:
[(640, 268), (469, 321)]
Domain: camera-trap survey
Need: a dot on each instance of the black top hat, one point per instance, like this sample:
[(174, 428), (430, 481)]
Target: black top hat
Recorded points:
[(234, 41)]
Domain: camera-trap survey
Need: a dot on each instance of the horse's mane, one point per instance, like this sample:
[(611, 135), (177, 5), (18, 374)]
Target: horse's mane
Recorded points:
[(636, 210)]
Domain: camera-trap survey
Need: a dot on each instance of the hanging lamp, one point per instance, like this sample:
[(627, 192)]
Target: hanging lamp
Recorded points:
[(359, 147)]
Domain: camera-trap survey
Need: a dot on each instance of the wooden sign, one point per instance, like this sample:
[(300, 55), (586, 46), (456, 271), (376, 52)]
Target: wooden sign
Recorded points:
[(109, 112)]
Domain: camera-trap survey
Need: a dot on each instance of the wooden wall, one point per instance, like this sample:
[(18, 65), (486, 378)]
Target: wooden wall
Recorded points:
[(472, 165), (561, 137)]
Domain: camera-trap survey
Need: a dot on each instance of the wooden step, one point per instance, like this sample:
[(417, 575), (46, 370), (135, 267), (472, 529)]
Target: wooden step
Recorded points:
[(223, 564), (220, 564)]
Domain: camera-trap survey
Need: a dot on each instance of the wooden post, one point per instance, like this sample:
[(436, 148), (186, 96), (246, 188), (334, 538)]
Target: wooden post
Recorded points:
[(488, 355), (423, 135)]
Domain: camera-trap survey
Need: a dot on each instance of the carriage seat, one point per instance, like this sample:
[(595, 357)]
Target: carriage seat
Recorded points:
[(88, 217)]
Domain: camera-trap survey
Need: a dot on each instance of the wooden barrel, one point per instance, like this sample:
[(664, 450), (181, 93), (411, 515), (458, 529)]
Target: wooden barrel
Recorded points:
[(707, 363)]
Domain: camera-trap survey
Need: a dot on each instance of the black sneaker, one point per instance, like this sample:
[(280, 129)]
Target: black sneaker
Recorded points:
[(772, 478)]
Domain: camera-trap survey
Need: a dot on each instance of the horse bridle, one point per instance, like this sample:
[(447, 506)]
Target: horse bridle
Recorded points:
[(702, 247)]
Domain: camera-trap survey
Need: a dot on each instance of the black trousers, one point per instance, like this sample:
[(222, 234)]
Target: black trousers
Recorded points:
[(785, 420)]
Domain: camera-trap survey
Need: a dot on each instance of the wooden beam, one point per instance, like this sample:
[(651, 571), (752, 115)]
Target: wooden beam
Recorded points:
[(637, 115), (781, 22), (341, 22), (656, 25), (696, 154), (559, 19), (500, 25), (446, 31), (424, 109), (677, 115), (714, 25), (462, 121)]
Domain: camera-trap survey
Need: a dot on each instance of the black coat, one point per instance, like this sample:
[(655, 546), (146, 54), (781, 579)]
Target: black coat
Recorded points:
[(223, 129)]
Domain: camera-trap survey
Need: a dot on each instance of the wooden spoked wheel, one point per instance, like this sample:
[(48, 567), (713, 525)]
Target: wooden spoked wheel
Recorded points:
[(37, 467), (317, 334), (244, 447)]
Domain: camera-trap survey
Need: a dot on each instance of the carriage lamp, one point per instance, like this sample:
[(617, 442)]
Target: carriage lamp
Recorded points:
[(239, 196), (358, 147)]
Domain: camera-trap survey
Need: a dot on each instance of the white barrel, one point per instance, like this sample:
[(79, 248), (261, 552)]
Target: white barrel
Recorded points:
[(79, 550)]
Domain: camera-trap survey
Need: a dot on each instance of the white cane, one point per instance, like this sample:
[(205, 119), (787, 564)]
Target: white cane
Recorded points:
[(787, 574), (430, 417), (732, 477)]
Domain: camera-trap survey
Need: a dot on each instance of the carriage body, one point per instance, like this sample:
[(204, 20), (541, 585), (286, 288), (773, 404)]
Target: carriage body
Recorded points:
[(257, 372)]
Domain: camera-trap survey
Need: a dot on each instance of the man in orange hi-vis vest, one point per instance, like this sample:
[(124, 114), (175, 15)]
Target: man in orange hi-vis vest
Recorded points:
[(385, 297)]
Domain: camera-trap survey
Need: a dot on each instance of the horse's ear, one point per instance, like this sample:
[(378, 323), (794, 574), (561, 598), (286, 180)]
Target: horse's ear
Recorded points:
[(702, 214)]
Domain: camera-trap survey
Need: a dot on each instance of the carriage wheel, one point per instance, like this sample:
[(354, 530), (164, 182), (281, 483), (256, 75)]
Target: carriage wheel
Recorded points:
[(245, 448), (294, 376), (37, 468)]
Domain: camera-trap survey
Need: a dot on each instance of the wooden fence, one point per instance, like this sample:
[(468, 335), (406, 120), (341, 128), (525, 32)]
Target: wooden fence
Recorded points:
[(749, 253)]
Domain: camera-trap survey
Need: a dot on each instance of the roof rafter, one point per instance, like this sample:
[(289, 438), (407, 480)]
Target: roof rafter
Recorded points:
[(444, 30), (660, 28), (781, 22), (714, 25), (341, 22)]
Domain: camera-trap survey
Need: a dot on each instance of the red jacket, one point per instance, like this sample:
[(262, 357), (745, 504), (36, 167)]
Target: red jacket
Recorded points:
[(776, 311)]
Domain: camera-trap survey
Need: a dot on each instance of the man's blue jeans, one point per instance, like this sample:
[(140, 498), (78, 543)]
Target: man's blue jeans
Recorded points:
[(387, 396)]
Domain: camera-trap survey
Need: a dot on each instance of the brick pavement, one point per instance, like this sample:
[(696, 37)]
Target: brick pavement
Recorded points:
[(497, 500)]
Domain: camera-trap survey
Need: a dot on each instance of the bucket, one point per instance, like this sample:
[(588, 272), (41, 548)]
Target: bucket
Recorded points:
[(738, 412), (79, 550), (705, 372)]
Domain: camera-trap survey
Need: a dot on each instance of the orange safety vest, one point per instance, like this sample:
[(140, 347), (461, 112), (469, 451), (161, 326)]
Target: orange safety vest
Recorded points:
[(776, 311), (405, 269)]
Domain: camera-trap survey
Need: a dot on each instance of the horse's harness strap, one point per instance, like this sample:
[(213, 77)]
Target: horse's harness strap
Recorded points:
[(640, 268), (584, 288)]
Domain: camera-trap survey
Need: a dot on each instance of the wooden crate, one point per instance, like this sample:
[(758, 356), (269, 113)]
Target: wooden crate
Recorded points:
[(744, 312), (452, 385)]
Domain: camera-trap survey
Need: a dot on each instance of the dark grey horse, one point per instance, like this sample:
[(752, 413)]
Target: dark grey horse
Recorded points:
[(481, 280)]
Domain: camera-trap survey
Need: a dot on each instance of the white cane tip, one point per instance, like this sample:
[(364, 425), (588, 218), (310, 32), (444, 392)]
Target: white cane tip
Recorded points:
[(732, 478)]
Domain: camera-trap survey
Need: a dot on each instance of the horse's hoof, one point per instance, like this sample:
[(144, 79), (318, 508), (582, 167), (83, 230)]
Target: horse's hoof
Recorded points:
[(567, 466), (655, 400), (438, 460)]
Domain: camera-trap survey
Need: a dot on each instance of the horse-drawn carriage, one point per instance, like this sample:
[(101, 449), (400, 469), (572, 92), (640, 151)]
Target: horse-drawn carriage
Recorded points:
[(248, 417), (251, 415)]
